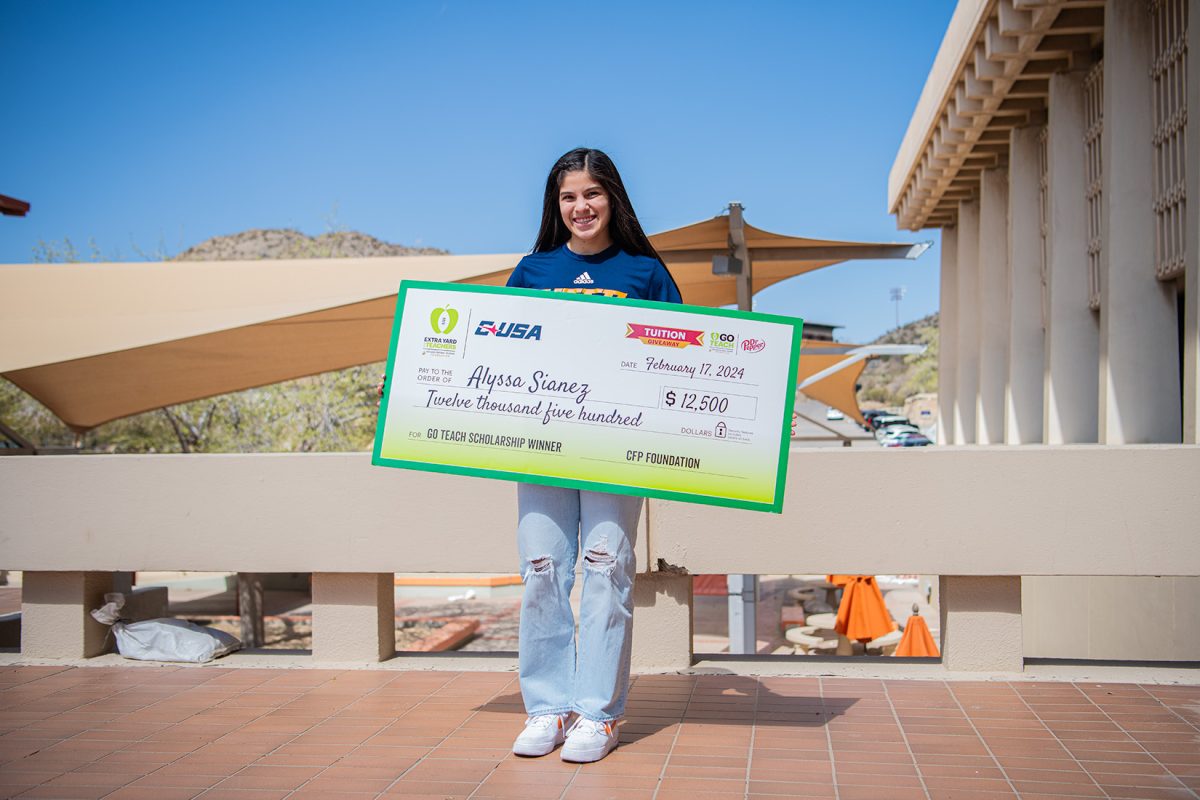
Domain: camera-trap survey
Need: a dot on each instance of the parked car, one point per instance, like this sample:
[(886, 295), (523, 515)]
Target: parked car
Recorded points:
[(907, 440), (888, 420), (833, 413), (893, 431), (869, 415)]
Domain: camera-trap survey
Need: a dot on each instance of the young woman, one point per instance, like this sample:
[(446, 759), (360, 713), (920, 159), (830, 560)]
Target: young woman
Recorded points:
[(590, 242)]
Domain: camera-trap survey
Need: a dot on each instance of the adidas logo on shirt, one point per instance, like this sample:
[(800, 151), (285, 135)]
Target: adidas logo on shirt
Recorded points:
[(584, 278)]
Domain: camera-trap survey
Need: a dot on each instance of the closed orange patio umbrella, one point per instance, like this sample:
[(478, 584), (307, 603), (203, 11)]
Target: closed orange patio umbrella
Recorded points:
[(917, 640), (862, 614), (839, 581)]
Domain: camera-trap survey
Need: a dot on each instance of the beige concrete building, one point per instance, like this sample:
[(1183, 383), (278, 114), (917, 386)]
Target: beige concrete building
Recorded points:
[(1050, 145)]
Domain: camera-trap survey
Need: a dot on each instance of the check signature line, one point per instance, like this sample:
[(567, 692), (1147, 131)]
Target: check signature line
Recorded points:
[(664, 466)]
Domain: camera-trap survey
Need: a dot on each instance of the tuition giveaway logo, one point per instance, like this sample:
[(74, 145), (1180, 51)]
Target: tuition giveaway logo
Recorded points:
[(442, 321), (663, 337)]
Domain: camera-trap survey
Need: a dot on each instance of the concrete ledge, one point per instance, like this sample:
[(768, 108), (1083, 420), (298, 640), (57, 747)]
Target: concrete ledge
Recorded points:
[(1003, 512), (1082, 510), (1000, 510)]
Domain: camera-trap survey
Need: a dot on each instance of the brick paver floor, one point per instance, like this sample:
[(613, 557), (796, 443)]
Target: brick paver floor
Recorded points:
[(163, 733)]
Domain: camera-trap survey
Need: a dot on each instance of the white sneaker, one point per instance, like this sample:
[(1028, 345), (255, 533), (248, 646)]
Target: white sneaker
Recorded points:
[(588, 740), (541, 735)]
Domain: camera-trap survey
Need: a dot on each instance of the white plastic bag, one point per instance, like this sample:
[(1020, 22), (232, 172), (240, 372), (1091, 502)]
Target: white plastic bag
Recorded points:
[(110, 612), (172, 640)]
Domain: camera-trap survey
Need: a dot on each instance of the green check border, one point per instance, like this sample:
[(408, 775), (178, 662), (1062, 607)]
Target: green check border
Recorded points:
[(775, 507)]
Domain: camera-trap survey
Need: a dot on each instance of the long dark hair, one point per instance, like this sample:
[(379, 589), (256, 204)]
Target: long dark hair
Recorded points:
[(623, 225)]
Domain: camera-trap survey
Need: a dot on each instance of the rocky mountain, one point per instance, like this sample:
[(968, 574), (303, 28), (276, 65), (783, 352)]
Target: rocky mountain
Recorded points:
[(889, 380), (257, 244)]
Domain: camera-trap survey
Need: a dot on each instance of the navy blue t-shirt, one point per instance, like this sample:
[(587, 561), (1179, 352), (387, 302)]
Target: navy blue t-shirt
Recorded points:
[(612, 272)]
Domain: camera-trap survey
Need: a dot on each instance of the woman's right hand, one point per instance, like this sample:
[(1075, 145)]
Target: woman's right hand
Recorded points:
[(379, 387)]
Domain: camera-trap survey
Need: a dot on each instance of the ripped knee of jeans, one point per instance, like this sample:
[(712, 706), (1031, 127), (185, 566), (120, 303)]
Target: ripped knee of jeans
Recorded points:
[(598, 559), (539, 565)]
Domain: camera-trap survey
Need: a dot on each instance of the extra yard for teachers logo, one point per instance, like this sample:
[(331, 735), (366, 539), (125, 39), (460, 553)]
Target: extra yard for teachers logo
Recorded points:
[(664, 337), (442, 320)]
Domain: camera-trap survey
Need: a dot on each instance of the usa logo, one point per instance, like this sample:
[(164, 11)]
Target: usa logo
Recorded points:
[(509, 330)]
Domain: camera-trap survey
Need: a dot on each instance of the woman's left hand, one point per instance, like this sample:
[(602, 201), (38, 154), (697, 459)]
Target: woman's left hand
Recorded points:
[(795, 416)]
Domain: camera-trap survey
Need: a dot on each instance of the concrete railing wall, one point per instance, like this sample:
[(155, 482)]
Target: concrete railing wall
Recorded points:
[(981, 517)]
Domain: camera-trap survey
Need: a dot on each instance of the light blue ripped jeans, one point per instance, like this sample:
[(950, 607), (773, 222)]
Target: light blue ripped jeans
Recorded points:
[(556, 676)]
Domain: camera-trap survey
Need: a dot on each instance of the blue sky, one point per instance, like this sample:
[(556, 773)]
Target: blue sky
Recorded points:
[(148, 125)]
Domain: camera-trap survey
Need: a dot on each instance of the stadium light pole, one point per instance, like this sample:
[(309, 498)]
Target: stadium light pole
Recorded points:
[(898, 295)]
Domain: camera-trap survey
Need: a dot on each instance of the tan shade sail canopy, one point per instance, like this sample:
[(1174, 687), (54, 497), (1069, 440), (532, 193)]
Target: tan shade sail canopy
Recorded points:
[(836, 390), (97, 342), (689, 251)]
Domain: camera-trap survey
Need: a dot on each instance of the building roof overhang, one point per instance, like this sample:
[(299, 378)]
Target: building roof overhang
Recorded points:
[(991, 74), (12, 207)]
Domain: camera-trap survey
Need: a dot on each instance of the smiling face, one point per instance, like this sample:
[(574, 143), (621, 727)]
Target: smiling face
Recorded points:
[(585, 211)]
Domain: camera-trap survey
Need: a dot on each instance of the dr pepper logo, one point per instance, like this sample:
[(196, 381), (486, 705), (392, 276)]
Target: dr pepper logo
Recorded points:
[(753, 345), (664, 337)]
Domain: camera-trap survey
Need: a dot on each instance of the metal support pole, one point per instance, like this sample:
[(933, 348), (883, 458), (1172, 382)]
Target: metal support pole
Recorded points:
[(743, 605), (737, 247), (743, 589)]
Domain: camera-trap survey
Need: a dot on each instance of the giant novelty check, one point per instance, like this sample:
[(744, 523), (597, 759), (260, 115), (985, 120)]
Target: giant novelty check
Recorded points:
[(588, 392)]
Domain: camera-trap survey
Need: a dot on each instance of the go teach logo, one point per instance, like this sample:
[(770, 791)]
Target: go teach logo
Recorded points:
[(443, 320)]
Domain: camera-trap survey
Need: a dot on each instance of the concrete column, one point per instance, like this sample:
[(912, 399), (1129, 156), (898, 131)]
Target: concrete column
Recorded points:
[(948, 337), (1072, 335), (1139, 346), (662, 622), (1191, 279), (967, 389), (354, 616), (993, 306), (55, 618), (123, 583), (981, 623), (1027, 341)]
